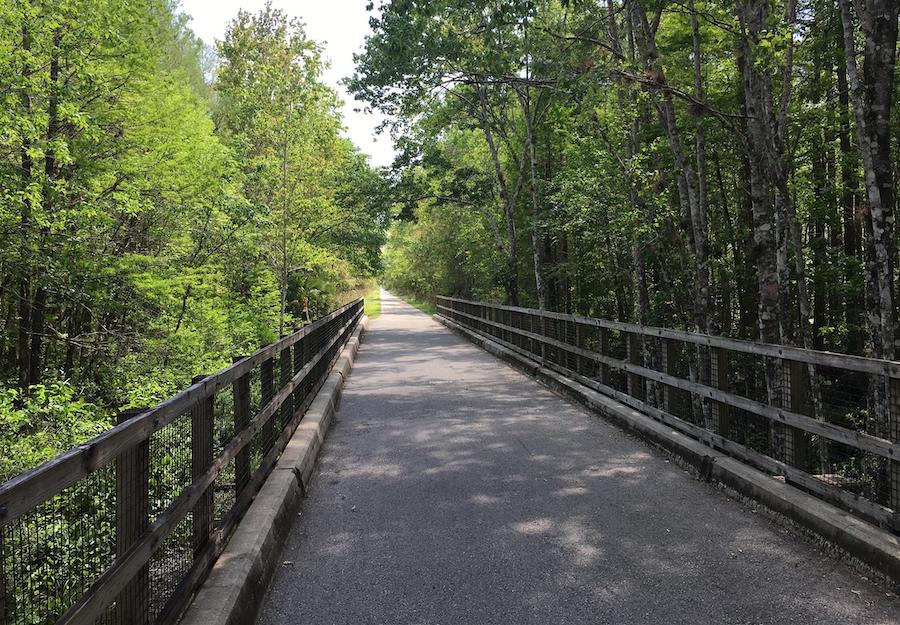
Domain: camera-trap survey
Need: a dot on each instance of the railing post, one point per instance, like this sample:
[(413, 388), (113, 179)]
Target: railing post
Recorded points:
[(298, 365), (132, 520), (543, 334), (240, 390), (7, 598), (532, 345), (201, 460), (517, 324), (799, 403), (4, 590), (284, 367), (670, 350), (578, 367), (718, 368), (267, 392), (894, 436), (604, 351), (633, 349)]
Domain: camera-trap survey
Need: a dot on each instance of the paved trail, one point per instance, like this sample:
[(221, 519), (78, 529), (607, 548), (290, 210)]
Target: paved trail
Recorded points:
[(454, 490)]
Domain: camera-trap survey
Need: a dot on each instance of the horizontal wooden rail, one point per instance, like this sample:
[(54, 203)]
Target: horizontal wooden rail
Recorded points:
[(557, 341), (224, 454), (28, 490), (93, 603), (866, 508), (873, 444), (888, 368)]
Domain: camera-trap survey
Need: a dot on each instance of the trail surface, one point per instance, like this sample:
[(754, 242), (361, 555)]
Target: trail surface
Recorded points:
[(455, 490)]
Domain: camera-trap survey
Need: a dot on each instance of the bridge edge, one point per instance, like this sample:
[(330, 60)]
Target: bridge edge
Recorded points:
[(234, 589), (870, 545)]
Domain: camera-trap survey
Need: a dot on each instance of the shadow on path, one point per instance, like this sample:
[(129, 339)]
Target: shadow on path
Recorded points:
[(455, 490)]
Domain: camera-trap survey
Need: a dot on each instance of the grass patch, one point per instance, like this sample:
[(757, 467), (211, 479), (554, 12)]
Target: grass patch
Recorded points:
[(425, 305), (373, 302)]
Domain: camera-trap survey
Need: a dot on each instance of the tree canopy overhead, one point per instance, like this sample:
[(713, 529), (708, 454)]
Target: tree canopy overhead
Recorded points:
[(724, 167)]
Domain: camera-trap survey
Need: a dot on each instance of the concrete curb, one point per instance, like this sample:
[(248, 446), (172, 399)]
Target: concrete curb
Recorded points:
[(234, 589), (870, 544)]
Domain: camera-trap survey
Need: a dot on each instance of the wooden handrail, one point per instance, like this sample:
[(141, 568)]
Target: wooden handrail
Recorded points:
[(558, 344), (890, 368), (861, 440), (102, 593), (24, 492)]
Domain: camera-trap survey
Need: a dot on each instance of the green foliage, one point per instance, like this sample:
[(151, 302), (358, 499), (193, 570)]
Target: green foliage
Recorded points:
[(611, 219), (42, 422), (373, 302), (158, 218)]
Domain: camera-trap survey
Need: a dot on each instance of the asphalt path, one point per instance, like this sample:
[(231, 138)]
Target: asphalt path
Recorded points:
[(453, 489)]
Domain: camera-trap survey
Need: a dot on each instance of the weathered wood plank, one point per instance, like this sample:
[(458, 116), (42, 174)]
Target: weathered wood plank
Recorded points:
[(102, 593), (132, 519), (861, 440), (829, 359), (267, 391), (240, 390), (285, 371), (202, 422), (865, 507), (26, 491)]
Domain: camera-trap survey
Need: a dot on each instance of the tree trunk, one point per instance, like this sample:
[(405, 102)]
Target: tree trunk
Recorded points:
[(871, 97), (25, 255), (528, 113), (38, 312), (854, 304), (689, 187), (752, 16), (512, 263)]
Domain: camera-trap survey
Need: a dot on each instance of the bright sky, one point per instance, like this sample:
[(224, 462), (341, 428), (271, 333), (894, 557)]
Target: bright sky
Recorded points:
[(341, 25)]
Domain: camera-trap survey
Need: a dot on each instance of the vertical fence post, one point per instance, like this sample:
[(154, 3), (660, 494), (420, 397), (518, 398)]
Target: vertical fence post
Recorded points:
[(267, 391), (517, 323), (604, 351), (201, 459), (298, 365), (718, 370), (633, 349), (670, 349), (7, 598), (284, 368), (308, 351), (799, 402), (894, 436), (532, 347), (578, 367), (132, 520), (543, 334), (4, 615), (240, 390)]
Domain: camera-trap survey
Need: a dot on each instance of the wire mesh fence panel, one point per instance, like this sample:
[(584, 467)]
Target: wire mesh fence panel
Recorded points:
[(827, 423), (121, 529), (43, 575)]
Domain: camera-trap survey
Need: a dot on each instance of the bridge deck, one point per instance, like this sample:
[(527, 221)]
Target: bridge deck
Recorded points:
[(454, 490)]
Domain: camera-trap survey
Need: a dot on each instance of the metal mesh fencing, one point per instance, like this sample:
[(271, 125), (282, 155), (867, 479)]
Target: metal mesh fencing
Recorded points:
[(827, 423), (122, 529)]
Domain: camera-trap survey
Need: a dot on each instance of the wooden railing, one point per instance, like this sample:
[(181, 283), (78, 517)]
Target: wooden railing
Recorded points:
[(123, 528), (828, 423)]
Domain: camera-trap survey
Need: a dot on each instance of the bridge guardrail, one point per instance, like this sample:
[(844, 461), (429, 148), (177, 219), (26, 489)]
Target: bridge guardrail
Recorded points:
[(828, 423), (123, 528)]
